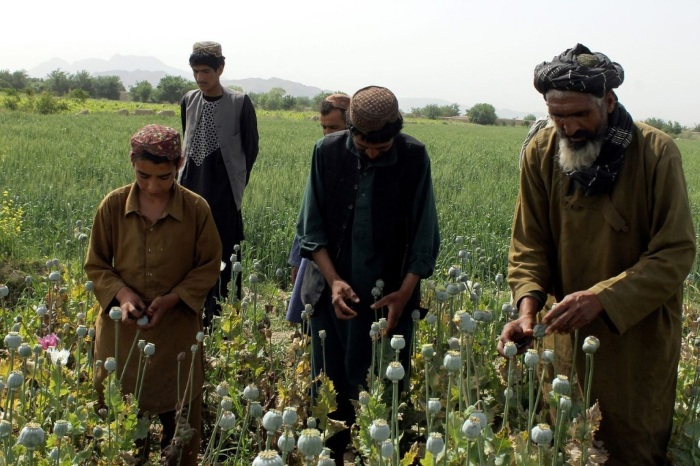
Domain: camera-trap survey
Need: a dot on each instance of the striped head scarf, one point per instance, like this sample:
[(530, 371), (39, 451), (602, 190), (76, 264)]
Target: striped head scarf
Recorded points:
[(580, 70)]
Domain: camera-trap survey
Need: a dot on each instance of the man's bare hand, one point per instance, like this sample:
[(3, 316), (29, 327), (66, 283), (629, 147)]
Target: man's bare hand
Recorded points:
[(341, 293), (395, 303), (573, 312), (131, 304), (159, 307)]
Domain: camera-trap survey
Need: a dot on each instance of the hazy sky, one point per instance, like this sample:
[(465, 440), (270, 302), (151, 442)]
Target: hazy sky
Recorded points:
[(462, 51)]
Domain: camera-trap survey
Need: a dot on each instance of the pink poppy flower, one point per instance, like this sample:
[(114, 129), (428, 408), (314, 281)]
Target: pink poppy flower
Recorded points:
[(50, 340)]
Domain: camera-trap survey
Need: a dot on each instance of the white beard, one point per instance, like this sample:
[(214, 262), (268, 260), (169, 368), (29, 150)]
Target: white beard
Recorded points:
[(572, 158)]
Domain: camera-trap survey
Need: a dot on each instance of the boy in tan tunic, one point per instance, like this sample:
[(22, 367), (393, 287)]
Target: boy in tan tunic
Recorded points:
[(154, 251)]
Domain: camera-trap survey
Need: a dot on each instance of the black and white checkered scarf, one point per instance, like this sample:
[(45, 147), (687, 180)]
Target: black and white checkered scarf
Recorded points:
[(600, 177)]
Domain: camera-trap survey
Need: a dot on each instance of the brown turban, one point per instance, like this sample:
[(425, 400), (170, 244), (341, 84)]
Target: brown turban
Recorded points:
[(372, 107), (580, 70), (157, 140)]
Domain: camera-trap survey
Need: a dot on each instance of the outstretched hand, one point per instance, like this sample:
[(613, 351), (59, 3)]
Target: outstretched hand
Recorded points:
[(341, 293), (395, 303)]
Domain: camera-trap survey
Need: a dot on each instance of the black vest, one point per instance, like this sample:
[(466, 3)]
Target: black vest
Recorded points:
[(392, 202)]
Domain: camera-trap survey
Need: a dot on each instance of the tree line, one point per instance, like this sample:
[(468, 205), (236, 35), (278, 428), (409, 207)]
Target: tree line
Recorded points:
[(82, 85)]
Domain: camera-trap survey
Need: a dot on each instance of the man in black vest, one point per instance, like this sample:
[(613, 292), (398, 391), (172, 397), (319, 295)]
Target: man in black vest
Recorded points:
[(368, 214), (220, 146)]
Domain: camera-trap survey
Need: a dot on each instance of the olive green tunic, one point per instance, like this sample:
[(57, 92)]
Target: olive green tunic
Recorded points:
[(181, 253), (633, 249)]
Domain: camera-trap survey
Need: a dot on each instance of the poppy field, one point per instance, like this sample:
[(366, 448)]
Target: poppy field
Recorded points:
[(464, 404)]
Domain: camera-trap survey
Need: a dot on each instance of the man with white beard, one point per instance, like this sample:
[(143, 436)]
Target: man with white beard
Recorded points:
[(603, 224)]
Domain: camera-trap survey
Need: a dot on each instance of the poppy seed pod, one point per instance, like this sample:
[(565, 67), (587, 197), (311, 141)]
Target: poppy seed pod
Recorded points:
[(324, 459), (509, 349), (256, 409), (531, 358), (4, 291), (61, 428), (311, 423), (272, 420), (5, 428), (31, 436), (54, 276), (452, 361), (149, 349), (289, 416), (472, 427), (452, 289), (499, 279), (376, 292), (386, 449), (115, 313), (565, 403), (379, 430), (453, 343), (142, 321), (24, 350), (431, 318), (542, 434), (435, 443), (548, 356), (286, 442), (539, 331), (251, 392), (364, 398), (41, 310), (110, 364), (441, 295), (591, 344), (81, 331), (15, 380), (434, 406), (398, 342), (226, 403), (561, 385), (222, 389), (415, 314), (13, 340), (395, 371), (427, 351), (237, 267), (227, 421), (268, 458), (310, 443)]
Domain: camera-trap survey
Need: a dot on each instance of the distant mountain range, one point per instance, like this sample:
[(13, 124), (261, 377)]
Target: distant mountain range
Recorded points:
[(132, 69)]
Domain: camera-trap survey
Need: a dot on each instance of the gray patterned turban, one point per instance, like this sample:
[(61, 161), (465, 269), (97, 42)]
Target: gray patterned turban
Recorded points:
[(578, 69), (373, 107)]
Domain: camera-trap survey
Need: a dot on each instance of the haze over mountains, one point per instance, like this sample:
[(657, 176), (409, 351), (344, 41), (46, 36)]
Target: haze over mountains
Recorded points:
[(132, 69)]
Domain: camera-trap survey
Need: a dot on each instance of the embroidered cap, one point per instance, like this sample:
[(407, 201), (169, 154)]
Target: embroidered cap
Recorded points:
[(158, 140), (372, 107)]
